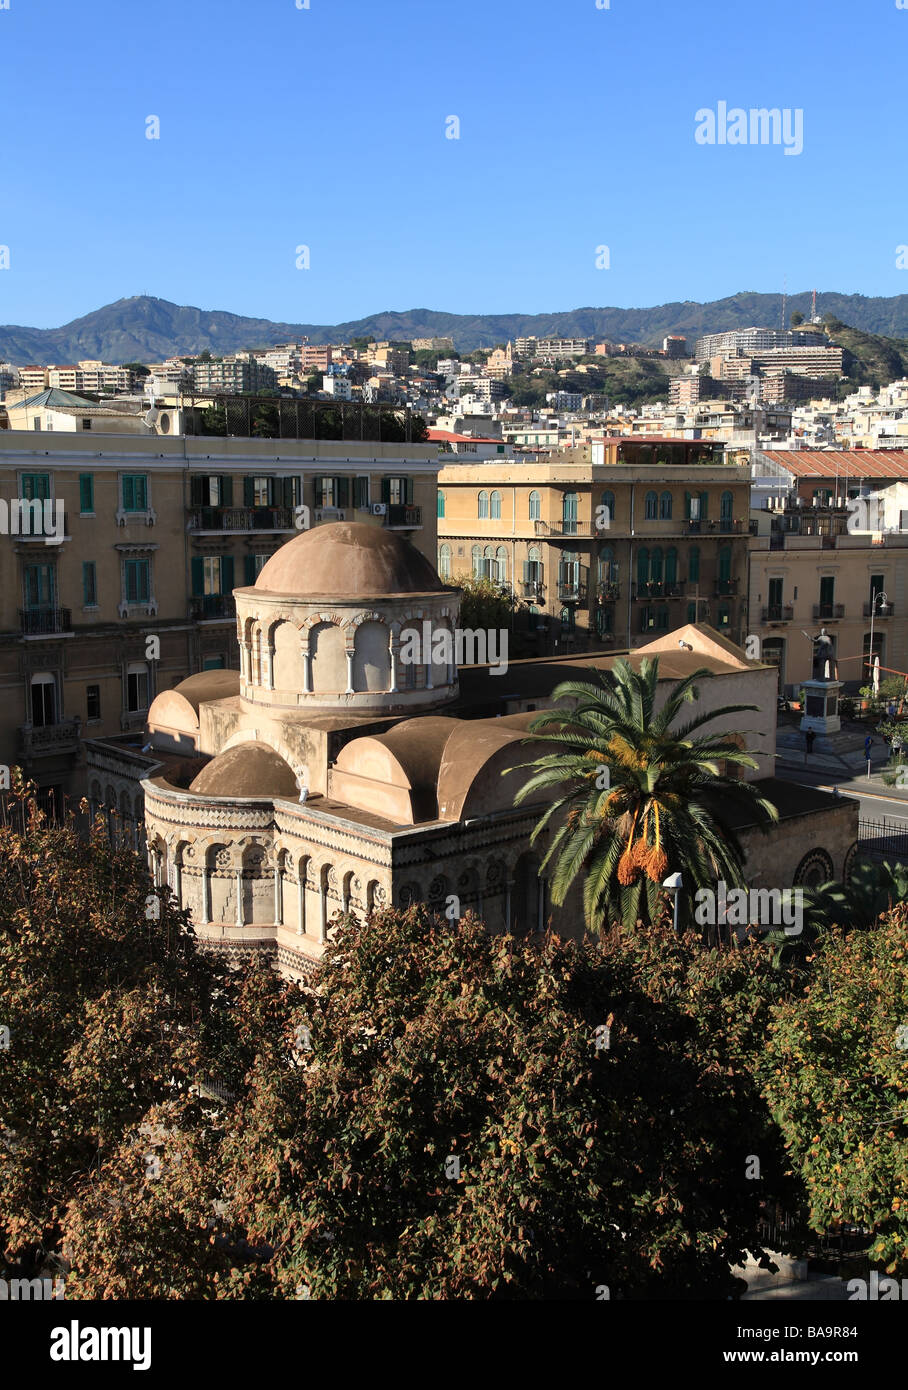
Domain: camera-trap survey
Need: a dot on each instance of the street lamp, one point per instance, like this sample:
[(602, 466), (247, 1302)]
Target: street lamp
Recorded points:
[(878, 600), (673, 884)]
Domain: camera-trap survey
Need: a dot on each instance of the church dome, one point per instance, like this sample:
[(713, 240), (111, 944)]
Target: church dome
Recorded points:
[(247, 769), (344, 559)]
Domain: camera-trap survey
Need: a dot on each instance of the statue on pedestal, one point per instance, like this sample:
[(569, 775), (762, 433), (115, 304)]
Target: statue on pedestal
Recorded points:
[(824, 663)]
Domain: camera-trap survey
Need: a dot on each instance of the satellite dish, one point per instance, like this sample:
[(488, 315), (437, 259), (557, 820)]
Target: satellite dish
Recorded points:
[(151, 417)]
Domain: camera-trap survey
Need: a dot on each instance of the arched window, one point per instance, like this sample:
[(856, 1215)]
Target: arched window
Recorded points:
[(501, 564), (496, 506), (569, 513), (441, 504), (642, 566), (651, 507), (726, 507), (671, 565), (693, 564), (483, 508), (655, 565), (608, 501), (606, 565), (477, 561), (444, 560), (535, 506), (665, 507)]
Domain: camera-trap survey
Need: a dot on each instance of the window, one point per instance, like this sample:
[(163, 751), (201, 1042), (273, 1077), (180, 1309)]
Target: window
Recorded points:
[(44, 700), (725, 564), (213, 663), (213, 574), (604, 620), (870, 655), (671, 566), (40, 586), (607, 500), (877, 586), (211, 490), (569, 513), (362, 493), (827, 596), (397, 492), (665, 507), (532, 617), (482, 509), (135, 492), (693, 564), (86, 423), (136, 687), (501, 565), (440, 511), (567, 619), (704, 506), (726, 507), (89, 585), (535, 506), (642, 566), (93, 701), (329, 492), (655, 565), (823, 496), (86, 493), (724, 617), (138, 580), (692, 612), (252, 566), (444, 560), (36, 487), (496, 506), (477, 561), (607, 567), (650, 507)]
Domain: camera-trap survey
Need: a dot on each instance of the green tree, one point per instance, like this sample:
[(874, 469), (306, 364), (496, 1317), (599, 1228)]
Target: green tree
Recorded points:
[(835, 1074), (483, 603), (636, 798), (796, 319), (138, 367), (871, 890), (455, 1131)]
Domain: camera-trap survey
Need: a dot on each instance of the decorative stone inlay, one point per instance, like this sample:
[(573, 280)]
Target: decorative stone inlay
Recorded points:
[(438, 887)]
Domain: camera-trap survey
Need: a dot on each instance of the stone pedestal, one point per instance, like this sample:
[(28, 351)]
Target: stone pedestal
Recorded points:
[(821, 706)]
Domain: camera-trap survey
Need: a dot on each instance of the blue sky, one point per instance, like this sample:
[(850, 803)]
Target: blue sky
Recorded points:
[(326, 127)]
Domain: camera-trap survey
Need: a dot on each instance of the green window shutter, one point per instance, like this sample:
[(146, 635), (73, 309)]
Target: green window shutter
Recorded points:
[(704, 505), (226, 490), (361, 492), (249, 569), (725, 562), (408, 482), (687, 506), (86, 492), (248, 492), (440, 505), (227, 574), (287, 492), (129, 493), (342, 491), (386, 491), (198, 574), (693, 564), (198, 496), (89, 584), (319, 491)]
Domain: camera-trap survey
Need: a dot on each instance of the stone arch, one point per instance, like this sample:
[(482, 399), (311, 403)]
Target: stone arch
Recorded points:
[(815, 868), (286, 639), (328, 648), (258, 891), (371, 653)]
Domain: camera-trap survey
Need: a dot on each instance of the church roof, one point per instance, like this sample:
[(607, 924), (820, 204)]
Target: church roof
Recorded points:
[(345, 559)]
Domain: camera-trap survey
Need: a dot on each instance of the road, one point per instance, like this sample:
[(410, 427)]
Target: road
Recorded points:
[(875, 805)]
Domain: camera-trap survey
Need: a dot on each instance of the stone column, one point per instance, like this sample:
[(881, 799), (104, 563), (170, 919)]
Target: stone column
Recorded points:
[(350, 690), (178, 881), (278, 896), (301, 906), (239, 897), (307, 671), (323, 924), (269, 669), (394, 659), (206, 894)]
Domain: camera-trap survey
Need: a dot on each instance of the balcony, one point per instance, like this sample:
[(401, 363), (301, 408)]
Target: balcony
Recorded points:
[(778, 613), (211, 606), (43, 740), (828, 611), (609, 592), (881, 612), (571, 591), (726, 588), (403, 518), (40, 622), (240, 519), (731, 528), (532, 589), (565, 527)]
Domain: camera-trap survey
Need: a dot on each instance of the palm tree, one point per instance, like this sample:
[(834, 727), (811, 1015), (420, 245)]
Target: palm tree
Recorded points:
[(637, 798)]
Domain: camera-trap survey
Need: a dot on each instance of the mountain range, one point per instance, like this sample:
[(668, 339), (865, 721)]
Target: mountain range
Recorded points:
[(145, 329)]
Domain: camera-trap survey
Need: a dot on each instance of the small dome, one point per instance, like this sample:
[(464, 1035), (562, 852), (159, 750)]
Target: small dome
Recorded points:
[(343, 559), (247, 769)]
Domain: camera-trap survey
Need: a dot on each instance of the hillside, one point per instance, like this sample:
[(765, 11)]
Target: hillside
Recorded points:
[(870, 360), (147, 329)]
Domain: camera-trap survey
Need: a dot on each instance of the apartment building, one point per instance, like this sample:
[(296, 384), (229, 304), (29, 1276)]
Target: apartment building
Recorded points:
[(232, 375), (96, 377), (604, 543), (832, 540), (136, 594), (552, 349), (806, 361), (432, 344), (391, 359), (750, 340)]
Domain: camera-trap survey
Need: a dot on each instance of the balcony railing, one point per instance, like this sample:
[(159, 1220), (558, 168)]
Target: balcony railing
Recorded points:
[(407, 518), (531, 588), (240, 519), (726, 587), (828, 610), (571, 591), (731, 528), (609, 592), (34, 622), (41, 740), (778, 613), (565, 527), (203, 606), (881, 612)]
